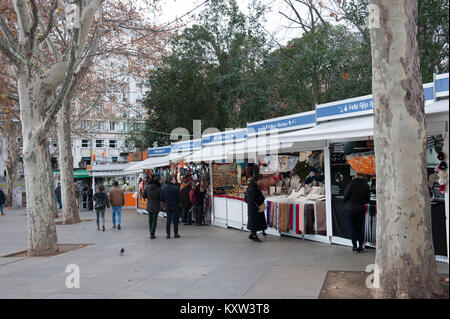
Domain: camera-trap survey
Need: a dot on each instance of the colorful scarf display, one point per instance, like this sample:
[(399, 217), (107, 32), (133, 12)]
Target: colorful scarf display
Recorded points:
[(370, 225), (298, 218)]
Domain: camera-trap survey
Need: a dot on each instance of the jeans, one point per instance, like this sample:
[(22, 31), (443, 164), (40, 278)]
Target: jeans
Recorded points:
[(58, 198), (115, 209), (199, 214), (186, 215), (1, 208), (102, 213), (172, 216), (152, 220), (355, 220)]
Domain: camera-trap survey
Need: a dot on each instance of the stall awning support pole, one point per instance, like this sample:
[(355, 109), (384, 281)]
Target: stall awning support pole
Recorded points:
[(213, 215), (328, 206)]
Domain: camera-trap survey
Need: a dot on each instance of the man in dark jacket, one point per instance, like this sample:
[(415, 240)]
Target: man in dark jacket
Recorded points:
[(356, 195), (153, 195), (170, 196), (58, 195), (2, 200)]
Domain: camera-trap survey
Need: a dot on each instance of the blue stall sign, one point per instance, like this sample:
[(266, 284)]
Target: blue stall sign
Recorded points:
[(345, 108), (428, 91), (185, 146), (225, 137), (441, 85), (281, 124), (164, 150)]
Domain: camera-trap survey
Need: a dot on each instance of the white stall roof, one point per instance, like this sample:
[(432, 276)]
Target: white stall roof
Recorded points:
[(333, 130), (109, 167), (437, 107), (154, 162), (211, 153)]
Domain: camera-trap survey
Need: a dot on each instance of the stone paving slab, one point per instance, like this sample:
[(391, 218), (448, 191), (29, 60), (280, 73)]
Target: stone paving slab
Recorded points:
[(206, 262)]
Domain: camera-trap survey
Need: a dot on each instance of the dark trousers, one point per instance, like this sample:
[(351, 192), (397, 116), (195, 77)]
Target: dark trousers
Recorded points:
[(355, 220), (58, 198), (186, 215), (199, 214), (152, 220), (172, 216)]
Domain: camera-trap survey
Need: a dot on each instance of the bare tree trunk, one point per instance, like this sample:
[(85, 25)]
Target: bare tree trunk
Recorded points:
[(11, 130), (69, 205), (405, 256), (41, 200)]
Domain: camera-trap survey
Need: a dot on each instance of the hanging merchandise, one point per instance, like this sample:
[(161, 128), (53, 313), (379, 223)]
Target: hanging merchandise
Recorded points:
[(281, 163), (363, 163)]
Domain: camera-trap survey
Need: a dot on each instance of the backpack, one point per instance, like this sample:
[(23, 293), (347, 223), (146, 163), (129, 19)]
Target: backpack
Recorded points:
[(101, 201), (193, 196)]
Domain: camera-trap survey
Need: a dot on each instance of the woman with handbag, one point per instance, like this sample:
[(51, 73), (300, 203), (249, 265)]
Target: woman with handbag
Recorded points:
[(254, 199)]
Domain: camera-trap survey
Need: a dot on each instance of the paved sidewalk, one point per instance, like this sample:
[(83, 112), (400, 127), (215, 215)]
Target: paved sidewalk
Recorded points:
[(206, 262)]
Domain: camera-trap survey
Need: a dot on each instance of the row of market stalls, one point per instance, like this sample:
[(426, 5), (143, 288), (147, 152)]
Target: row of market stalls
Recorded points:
[(308, 158)]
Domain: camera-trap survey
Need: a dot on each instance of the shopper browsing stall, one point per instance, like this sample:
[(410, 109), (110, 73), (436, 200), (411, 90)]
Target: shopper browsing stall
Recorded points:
[(254, 199), (356, 195)]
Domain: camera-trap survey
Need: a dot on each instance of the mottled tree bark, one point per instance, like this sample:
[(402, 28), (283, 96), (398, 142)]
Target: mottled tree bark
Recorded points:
[(69, 205), (11, 130), (405, 254)]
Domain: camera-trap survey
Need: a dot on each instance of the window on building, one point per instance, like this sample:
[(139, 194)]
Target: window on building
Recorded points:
[(114, 159), (85, 125), (113, 143), (86, 143), (112, 126), (53, 142), (100, 143), (124, 96), (125, 126), (101, 125)]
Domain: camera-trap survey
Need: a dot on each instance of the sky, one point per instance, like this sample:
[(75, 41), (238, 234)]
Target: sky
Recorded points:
[(275, 24)]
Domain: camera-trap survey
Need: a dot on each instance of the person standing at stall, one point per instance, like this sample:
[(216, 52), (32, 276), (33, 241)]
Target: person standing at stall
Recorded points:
[(200, 191), (117, 199), (356, 195), (101, 202), (153, 195), (186, 204), (254, 199), (170, 196)]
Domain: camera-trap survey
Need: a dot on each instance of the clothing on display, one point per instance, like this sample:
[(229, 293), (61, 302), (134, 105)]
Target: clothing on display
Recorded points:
[(300, 218)]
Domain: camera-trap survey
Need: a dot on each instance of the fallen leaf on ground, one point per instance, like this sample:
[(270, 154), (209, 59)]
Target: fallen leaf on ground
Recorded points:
[(332, 274), (205, 274), (314, 258), (341, 272), (335, 287)]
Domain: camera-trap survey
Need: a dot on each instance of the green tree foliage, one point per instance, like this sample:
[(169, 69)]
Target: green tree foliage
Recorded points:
[(214, 74), (223, 72), (324, 65), (433, 33)]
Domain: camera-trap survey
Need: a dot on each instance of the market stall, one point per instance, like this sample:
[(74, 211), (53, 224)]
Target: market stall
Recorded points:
[(347, 129), (228, 177), (107, 174)]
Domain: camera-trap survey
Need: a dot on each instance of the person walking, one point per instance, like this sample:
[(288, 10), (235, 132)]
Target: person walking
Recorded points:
[(356, 195), (153, 195), (200, 191), (77, 193), (101, 202), (254, 199), (117, 200), (170, 196), (186, 204), (58, 195), (2, 200)]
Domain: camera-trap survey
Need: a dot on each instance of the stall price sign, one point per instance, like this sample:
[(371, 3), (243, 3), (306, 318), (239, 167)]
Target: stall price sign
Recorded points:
[(339, 148)]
